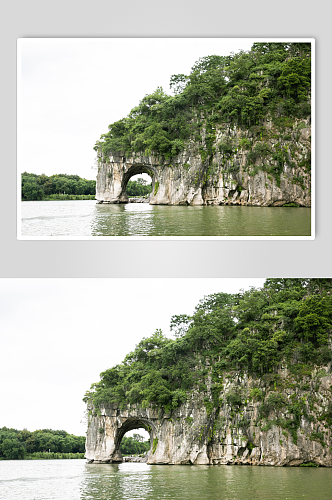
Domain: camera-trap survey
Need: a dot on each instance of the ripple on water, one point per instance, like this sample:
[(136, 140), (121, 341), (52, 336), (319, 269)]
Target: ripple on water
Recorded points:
[(77, 480), (86, 218)]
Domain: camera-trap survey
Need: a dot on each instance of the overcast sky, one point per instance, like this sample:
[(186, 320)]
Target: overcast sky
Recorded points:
[(70, 90), (59, 334)]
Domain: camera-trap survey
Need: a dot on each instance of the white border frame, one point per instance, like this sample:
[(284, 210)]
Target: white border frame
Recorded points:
[(170, 238)]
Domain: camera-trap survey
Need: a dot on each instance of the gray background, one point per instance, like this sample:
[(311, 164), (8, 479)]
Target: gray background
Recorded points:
[(159, 18)]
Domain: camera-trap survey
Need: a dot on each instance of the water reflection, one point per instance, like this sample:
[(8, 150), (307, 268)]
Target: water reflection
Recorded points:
[(77, 480), (158, 220), (116, 481), (138, 219), (86, 218), (141, 481)]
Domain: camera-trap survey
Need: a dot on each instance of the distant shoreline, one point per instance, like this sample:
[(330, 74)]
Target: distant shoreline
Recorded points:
[(49, 456), (69, 197)]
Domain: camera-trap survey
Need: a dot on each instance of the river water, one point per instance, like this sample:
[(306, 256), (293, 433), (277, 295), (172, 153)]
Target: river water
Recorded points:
[(86, 218), (77, 480)]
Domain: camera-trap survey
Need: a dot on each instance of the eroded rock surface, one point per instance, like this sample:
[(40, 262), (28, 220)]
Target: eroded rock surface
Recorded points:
[(232, 431), (274, 172)]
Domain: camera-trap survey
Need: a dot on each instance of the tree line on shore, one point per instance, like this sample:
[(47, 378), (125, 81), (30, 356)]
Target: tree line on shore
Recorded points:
[(48, 444), (40, 187), (70, 187), (20, 444)]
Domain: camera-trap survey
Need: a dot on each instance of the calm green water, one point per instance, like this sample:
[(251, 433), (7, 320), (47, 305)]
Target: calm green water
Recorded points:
[(76, 480), (86, 218)]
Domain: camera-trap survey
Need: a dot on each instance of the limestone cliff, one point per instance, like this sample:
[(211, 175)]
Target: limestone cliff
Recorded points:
[(279, 419), (247, 379), (261, 166), (235, 131)]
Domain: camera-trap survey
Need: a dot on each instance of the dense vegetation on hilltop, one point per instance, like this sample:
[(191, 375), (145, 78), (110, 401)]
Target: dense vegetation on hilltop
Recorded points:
[(272, 80), (16, 444), (287, 322)]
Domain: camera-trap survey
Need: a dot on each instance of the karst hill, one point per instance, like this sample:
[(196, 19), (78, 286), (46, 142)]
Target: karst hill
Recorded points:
[(246, 380), (236, 131)]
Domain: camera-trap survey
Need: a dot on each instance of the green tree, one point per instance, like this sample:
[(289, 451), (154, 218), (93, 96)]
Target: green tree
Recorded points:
[(134, 445), (12, 449), (314, 321), (32, 191), (36, 187), (138, 187)]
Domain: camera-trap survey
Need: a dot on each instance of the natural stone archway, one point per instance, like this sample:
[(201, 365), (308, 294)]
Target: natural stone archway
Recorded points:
[(106, 430), (192, 178), (197, 432), (169, 185), (113, 177), (129, 424), (173, 441)]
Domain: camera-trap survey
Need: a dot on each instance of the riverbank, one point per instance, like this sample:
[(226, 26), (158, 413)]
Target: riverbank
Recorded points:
[(49, 456), (66, 197)]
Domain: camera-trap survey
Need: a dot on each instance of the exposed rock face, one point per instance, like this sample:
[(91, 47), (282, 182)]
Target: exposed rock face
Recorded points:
[(232, 176), (200, 433)]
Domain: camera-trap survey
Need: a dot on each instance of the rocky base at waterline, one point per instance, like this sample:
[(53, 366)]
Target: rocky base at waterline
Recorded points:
[(139, 200), (128, 200), (290, 428), (136, 459), (124, 459)]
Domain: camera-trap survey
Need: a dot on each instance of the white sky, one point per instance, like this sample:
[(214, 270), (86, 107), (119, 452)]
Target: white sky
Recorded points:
[(58, 335), (70, 90)]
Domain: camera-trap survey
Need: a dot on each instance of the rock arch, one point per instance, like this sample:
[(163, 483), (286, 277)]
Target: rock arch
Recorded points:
[(128, 173), (205, 431), (107, 427), (113, 177), (130, 424), (188, 179), (194, 433), (173, 439), (171, 184)]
